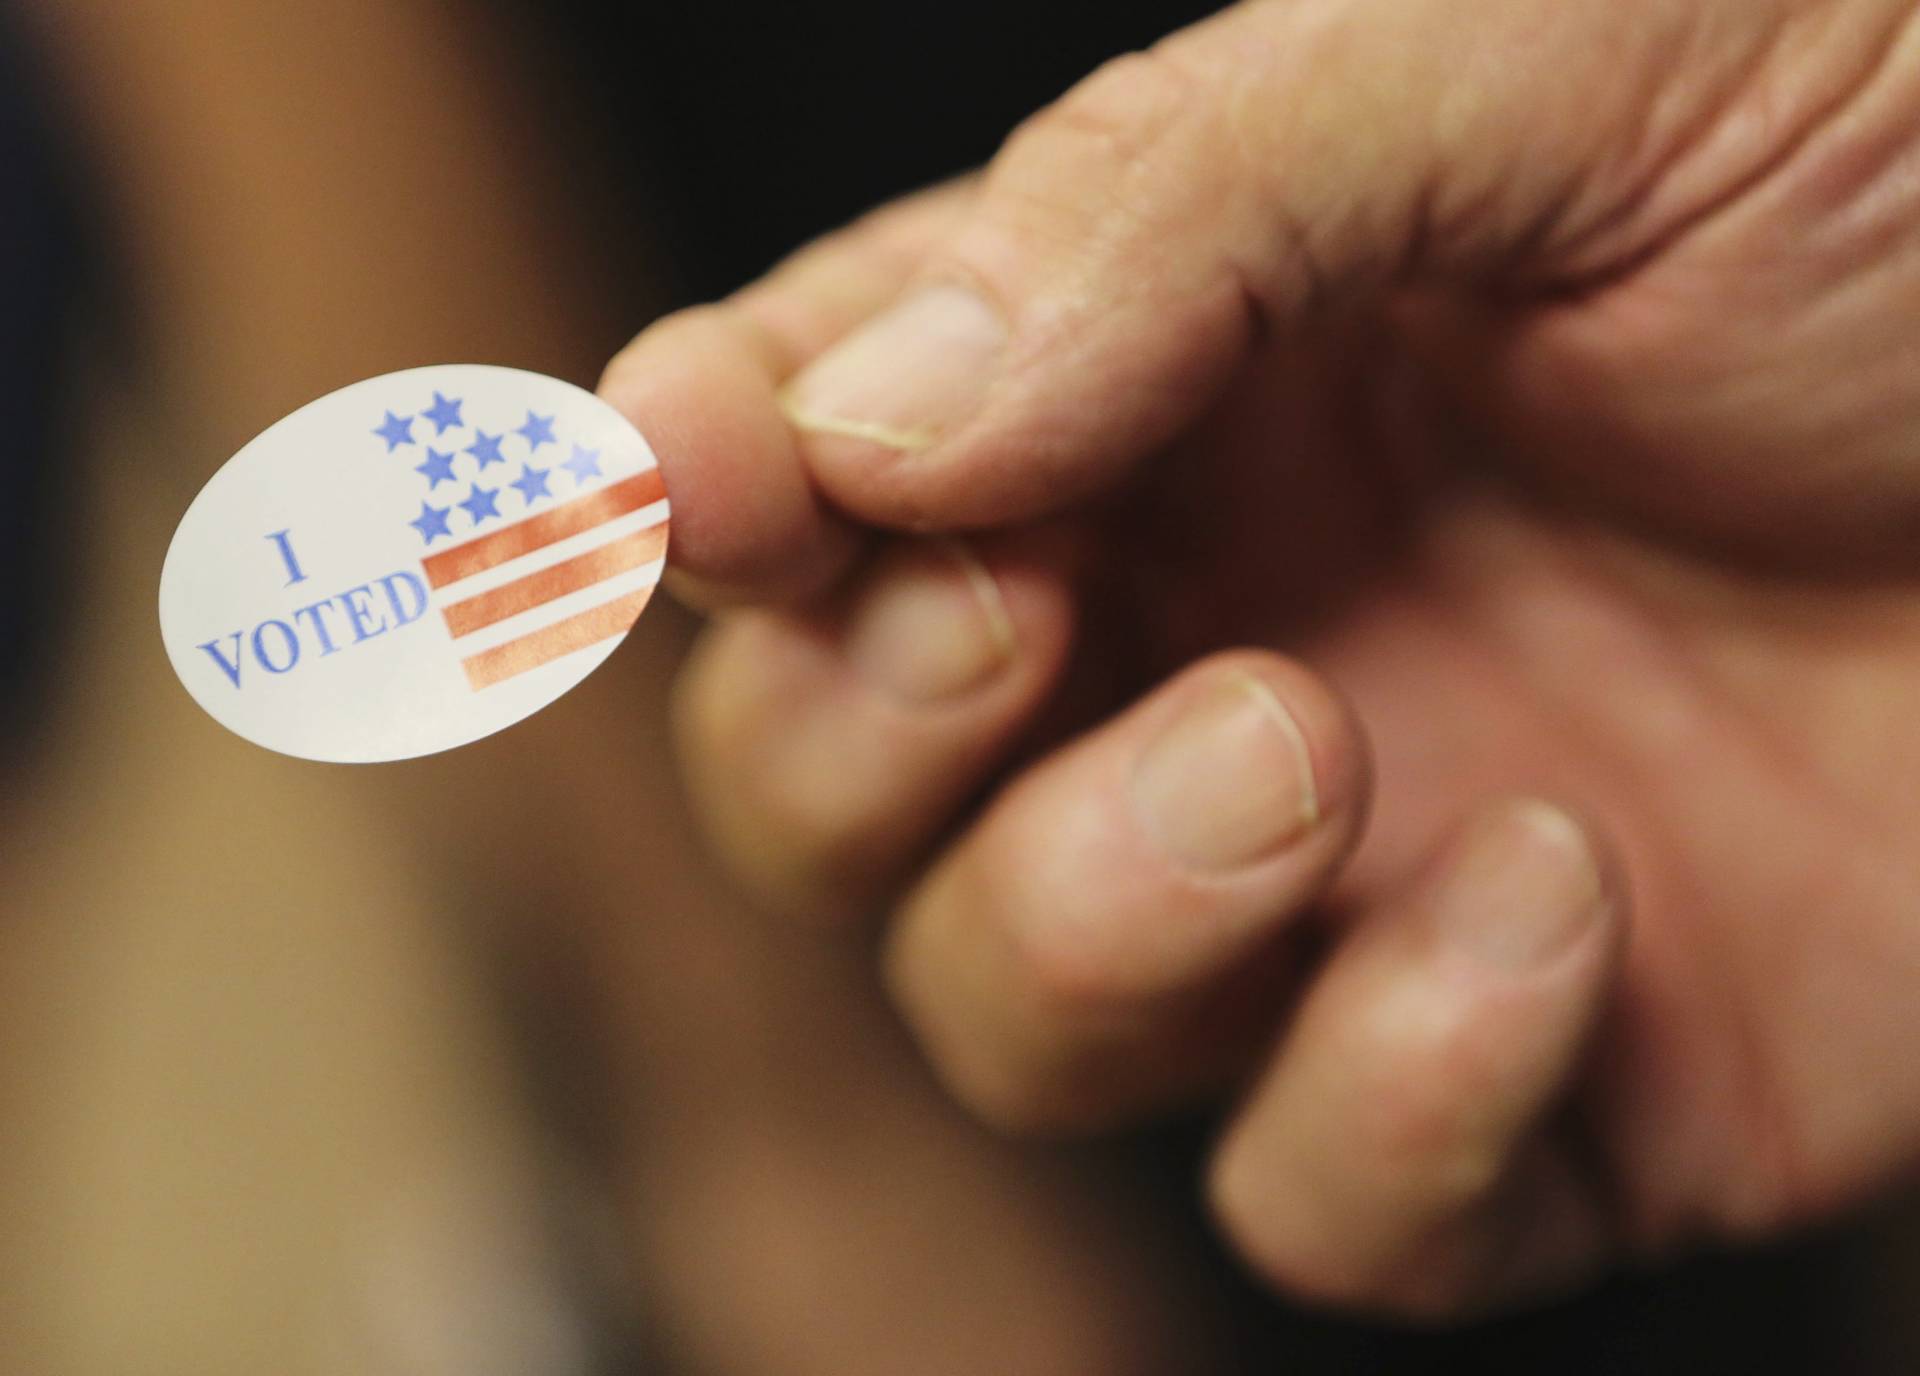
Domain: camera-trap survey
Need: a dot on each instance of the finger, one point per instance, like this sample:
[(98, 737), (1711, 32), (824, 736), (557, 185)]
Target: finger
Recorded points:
[(1096, 947), (701, 385), (824, 751), (1396, 1153), (1129, 243)]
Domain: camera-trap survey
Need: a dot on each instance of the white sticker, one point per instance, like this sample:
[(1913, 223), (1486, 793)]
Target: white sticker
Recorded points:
[(413, 562)]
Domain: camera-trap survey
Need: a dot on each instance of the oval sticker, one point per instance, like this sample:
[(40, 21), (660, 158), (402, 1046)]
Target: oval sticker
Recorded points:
[(413, 562)]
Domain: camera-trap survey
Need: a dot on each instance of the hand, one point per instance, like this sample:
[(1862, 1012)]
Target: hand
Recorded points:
[(1538, 377)]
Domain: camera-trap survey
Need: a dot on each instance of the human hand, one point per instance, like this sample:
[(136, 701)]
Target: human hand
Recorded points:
[(1539, 376)]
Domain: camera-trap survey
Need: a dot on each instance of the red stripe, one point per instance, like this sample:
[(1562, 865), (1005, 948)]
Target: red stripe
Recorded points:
[(549, 527), (562, 637), (557, 580)]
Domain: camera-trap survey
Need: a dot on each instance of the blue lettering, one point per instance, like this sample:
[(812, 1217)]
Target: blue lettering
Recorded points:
[(327, 646), (411, 581), (277, 642), (229, 667), (359, 617), (295, 574), (260, 648)]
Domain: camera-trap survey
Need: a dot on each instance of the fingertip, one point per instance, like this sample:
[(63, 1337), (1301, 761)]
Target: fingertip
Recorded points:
[(1037, 573), (1317, 719), (1523, 884), (748, 524), (933, 621)]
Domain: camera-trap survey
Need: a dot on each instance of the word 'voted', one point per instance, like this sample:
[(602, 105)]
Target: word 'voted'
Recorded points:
[(278, 644)]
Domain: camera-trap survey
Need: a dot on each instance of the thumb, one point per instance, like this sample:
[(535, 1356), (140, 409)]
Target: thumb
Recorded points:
[(1129, 243)]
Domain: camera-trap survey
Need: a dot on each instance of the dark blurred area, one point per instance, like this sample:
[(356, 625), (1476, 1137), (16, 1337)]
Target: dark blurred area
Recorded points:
[(727, 137), (764, 127), (42, 262)]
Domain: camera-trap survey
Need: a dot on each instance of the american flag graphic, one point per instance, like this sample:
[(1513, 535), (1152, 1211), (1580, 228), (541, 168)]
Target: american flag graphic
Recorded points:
[(536, 563)]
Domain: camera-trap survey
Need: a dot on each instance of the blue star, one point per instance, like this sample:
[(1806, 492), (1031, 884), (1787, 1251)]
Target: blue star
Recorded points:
[(443, 413), (532, 482), (395, 430), (486, 448), (479, 503), (538, 430), (437, 469), (584, 464), (431, 521)]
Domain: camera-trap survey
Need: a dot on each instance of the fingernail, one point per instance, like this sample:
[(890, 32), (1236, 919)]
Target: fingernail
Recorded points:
[(1230, 781), (905, 377), (931, 623), (1521, 887)]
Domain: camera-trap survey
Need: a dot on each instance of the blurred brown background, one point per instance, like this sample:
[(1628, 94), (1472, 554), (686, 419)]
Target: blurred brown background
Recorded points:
[(309, 1069)]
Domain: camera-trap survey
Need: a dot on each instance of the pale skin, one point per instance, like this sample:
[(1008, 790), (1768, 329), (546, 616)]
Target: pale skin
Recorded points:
[(1481, 435)]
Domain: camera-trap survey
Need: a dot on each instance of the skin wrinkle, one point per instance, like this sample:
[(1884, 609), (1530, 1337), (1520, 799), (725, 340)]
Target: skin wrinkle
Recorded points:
[(1252, 129), (1435, 234), (1137, 145), (1146, 154), (1454, 224), (1280, 182), (1130, 144), (1242, 112), (1643, 150), (1862, 197), (1778, 165)]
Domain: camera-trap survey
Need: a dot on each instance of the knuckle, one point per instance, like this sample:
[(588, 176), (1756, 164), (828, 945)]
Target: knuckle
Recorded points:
[(1060, 979), (812, 854), (1308, 1261), (1018, 883), (1282, 1250), (993, 1080), (1007, 1097), (1067, 969), (1433, 1138), (1111, 153), (1038, 1046), (1046, 1088), (1437, 1098), (1124, 111), (1293, 1244)]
